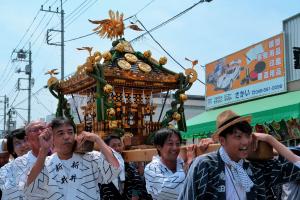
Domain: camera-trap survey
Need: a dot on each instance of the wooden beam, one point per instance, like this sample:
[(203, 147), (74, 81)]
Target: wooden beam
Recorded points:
[(263, 152), (145, 155)]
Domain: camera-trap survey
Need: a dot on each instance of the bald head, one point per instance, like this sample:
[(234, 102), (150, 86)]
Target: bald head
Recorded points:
[(34, 126)]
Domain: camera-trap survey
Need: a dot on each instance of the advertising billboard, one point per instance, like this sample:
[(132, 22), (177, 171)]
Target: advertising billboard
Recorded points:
[(253, 72)]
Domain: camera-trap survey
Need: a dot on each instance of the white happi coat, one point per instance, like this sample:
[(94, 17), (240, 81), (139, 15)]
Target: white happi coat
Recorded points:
[(13, 176), (162, 183), (76, 178)]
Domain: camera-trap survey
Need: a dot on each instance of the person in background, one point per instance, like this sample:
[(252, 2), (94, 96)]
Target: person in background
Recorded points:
[(17, 144), (166, 172), (226, 174), (129, 184), (66, 174), (291, 191), (4, 157), (13, 175)]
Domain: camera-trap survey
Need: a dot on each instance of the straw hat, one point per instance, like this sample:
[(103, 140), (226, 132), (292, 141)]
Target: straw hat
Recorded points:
[(228, 118)]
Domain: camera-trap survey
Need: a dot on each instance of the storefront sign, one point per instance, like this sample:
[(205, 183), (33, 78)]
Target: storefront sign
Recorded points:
[(250, 73)]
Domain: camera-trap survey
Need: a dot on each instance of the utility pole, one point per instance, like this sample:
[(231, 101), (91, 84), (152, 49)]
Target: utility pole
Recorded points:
[(5, 105), (4, 113), (29, 84), (10, 123), (62, 32), (21, 56), (8, 120)]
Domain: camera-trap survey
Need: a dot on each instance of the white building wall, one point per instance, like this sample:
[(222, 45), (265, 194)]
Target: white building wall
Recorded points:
[(291, 29)]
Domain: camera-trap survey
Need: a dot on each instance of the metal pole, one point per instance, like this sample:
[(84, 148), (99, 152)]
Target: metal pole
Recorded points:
[(4, 124), (29, 84), (163, 106), (62, 41), (8, 121)]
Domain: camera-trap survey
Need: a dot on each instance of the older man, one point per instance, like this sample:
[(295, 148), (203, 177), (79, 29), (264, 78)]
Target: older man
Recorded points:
[(13, 175), (69, 175)]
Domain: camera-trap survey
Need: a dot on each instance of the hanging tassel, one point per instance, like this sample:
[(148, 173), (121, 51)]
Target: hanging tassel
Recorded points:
[(151, 99), (161, 97), (123, 96), (131, 96), (144, 98)]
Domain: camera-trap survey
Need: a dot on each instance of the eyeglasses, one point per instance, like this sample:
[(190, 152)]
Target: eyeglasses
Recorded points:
[(36, 129)]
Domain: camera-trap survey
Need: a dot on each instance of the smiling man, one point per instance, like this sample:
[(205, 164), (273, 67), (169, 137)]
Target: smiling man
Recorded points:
[(165, 173), (13, 175), (226, 174), (68, 175)]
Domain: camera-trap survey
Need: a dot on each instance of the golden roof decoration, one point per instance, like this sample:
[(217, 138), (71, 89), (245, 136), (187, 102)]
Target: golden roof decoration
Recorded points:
[(52, 72), (113, 27), (52, 80)]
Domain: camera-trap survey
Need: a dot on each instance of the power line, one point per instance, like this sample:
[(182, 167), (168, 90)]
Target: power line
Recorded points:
[(24, 35), (165, 50), (29, 27), (12, 103), (144, 7), (87, 35), (169, 20), (53, 3), (35, 93), (81, 13), (9, 75), (27, 30), (69, 17), (83, 36), (19, 115), (78, 7), (39, 102), (34, 31), (64, 2), (5, 69), (33, 43), (38, 91)]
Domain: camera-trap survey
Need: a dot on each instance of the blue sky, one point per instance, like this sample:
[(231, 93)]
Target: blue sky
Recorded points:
[(207, 32)]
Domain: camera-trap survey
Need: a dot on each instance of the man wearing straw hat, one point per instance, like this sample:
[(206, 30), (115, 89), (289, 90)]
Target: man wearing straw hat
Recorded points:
[(226, 174)]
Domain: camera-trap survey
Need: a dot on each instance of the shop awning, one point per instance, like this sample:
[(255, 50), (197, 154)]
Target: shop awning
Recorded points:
[(268, 109)]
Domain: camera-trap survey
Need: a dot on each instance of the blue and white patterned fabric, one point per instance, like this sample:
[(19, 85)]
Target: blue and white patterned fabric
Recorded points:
[(76, 178), (240, 175), (162, 183), (13, 176), (206, 178)]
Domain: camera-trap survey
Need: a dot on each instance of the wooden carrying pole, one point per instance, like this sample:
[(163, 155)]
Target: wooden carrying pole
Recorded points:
[(263, 152), (145, 155)]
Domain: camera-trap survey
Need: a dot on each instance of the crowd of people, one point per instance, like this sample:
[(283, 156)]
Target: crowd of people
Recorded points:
[(43, 161)]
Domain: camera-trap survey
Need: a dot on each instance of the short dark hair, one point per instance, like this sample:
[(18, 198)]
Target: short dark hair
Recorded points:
[(163, 134), (243, 126), (60, 121), (17, 133), (111, 137)]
